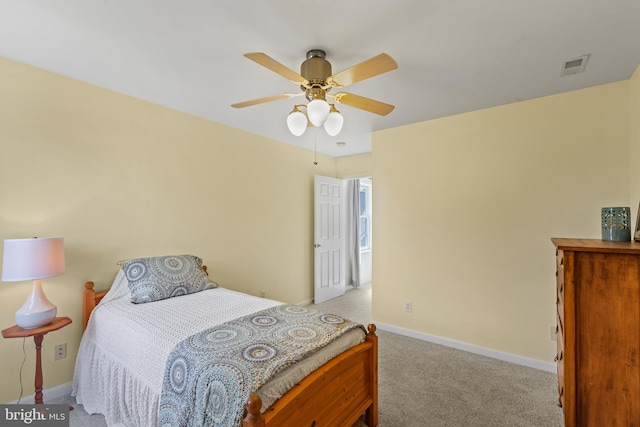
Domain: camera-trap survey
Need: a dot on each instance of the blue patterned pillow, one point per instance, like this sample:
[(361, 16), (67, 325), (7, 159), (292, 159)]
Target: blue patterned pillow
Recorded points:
[(157, 278)]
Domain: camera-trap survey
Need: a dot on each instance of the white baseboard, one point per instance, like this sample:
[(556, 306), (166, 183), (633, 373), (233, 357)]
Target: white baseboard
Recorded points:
[(305, 303), (48, 394), (471, 348)]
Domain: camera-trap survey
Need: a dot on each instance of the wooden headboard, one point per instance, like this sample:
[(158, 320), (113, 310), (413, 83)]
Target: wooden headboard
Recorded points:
[(91, 298)]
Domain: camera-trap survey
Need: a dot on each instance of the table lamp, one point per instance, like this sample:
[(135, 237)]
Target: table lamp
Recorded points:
[(33, 259)]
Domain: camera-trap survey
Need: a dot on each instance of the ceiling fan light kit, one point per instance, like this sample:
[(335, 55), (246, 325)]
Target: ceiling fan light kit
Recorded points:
[(315, 80)]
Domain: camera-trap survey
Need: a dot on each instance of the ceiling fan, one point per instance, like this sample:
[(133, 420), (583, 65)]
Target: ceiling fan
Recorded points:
[(315, 81)]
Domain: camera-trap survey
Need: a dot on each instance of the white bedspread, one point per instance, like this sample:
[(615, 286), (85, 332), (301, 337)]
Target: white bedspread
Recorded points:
[(122, 355)]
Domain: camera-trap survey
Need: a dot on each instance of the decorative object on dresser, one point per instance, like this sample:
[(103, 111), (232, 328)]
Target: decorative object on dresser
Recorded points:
[(598, 315), (33, 259), (616, 224), (38, 336)]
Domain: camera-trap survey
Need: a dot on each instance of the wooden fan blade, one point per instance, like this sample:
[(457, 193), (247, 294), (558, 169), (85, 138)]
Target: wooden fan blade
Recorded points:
[(270, 63), (363, 103), (364, 70), (265, 99)]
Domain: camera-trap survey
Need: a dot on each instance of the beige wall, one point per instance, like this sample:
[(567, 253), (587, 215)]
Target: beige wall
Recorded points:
[(355, 166), (634, 136), (465, 206), (118, 178)]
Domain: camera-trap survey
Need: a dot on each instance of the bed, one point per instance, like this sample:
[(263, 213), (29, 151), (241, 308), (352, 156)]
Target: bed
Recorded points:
[(122, 369)]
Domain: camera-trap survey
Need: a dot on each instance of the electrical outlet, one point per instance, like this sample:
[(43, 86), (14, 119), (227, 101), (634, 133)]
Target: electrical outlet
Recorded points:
[(60, 351), (553, 333), (408, 306)]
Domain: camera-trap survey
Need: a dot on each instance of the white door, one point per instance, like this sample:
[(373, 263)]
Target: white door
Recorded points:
[(329, 259)]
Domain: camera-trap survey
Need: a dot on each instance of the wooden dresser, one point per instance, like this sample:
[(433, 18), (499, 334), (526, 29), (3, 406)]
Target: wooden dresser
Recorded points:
[(598, 300)]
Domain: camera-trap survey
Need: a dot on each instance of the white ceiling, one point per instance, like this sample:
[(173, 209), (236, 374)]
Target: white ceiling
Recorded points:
[(453, 56)]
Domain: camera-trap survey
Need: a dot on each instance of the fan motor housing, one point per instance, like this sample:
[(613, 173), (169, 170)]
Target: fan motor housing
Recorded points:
[(316, 68)]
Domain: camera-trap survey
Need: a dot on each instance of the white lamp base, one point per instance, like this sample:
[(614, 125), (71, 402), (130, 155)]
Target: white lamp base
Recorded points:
[(37, 310)]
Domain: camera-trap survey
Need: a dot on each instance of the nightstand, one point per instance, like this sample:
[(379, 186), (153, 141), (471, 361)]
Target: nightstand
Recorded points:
[(38, 335)]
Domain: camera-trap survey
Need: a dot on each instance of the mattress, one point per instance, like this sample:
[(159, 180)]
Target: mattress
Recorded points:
[(122, 355)]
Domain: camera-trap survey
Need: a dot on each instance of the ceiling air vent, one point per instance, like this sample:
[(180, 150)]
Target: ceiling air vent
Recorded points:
[(574, 66)]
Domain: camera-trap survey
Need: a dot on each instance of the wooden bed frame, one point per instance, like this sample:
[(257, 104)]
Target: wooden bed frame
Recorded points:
[(336, 394)]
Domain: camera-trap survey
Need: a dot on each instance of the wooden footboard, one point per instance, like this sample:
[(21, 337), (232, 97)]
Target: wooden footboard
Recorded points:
[(336, 394)]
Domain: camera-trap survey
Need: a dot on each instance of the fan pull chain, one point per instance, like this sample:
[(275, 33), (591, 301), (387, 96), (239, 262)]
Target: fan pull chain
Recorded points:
[(315, 151)]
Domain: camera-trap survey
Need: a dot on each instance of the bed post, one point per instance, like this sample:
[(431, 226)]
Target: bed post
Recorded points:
[(89, 303), (254, 418), (372, 411)]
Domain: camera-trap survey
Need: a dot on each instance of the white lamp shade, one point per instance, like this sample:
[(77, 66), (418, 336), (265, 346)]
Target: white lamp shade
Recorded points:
[(333, 124), (318, 110), (297, 122), (29, 259)]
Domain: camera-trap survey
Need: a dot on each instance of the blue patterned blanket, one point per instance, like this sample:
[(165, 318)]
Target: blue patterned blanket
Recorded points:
[(210, 375)]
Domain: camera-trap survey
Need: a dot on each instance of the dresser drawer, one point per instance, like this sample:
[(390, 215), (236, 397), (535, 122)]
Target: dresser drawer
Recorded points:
[(560, 357), (560, 260), (560, 305), (560, 328), (560, 289), (560, 275)]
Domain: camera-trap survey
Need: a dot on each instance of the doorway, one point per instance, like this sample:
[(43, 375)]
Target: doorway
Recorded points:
[(342, 235), (365, 236)]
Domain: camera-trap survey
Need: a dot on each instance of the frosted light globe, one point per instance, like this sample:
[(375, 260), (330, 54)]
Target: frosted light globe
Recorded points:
[(318, 110), (297, 122), (333, 124)]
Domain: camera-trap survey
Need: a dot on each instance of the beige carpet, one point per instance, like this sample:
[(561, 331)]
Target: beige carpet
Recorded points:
[(424, 384), (428, 385), (359, 423)]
